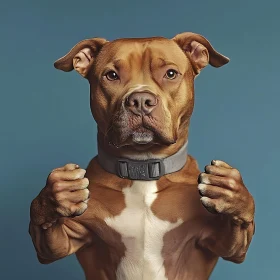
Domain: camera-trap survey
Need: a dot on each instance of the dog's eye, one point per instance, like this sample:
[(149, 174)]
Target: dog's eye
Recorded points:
[(171, 74), (112, 76)]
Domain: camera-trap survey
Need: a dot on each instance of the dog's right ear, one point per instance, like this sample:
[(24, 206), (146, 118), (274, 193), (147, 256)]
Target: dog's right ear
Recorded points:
[(81, 56)]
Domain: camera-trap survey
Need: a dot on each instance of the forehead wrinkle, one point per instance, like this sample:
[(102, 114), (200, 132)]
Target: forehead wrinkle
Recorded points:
[(164, 62), (127, 59), (160, 58), (118, 63), (170, 54), (134, 59)]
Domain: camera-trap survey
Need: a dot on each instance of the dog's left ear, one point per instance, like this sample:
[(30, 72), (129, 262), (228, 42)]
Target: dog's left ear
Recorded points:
[(200, 51)]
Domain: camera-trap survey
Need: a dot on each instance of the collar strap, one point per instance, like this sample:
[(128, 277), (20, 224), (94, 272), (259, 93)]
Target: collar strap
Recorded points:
[(145, 170)]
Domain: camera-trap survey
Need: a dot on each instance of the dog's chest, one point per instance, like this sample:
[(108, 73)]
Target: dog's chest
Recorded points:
[(142, 233)]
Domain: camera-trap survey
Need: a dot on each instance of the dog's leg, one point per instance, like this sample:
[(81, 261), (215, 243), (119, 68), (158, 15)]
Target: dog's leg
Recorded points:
[(54, 230), (224, 194), (63, 238)]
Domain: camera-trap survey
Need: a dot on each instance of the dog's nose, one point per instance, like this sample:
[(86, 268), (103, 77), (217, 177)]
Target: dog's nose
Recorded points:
[(141, 103)]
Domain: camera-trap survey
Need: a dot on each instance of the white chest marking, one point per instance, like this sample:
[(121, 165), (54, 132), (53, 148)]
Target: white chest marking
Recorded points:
[(142, 234)]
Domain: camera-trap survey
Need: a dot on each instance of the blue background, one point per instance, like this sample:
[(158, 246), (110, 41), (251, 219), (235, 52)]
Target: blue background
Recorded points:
[(46, 120)]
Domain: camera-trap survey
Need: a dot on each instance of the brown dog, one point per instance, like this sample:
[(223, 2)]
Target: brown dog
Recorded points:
[(151, 214)]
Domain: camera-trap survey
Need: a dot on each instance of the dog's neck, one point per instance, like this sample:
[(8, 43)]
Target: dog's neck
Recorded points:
[(142, 166)]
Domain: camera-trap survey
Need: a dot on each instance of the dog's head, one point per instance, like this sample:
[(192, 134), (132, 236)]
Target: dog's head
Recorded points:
[(142, 89)]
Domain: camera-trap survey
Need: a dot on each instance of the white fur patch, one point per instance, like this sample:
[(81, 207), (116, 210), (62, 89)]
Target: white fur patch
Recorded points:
[(142, 234), (139, 87), (139, 137)]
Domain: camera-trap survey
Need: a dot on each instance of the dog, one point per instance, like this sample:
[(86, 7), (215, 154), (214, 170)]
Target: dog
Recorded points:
[(142, 209)]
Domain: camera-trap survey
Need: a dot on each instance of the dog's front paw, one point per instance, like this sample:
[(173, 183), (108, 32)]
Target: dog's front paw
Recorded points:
[(222, 191)]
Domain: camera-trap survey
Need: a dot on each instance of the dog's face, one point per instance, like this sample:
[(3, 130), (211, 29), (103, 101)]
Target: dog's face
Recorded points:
[(142, 90)]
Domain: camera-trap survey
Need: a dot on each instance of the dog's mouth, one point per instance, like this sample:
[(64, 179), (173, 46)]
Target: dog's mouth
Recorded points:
[(141, 137)]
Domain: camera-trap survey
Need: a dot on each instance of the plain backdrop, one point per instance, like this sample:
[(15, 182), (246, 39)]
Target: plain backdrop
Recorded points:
[(46, 120)]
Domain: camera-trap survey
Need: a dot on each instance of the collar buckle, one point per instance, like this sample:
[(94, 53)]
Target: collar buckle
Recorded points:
[(147, 170)]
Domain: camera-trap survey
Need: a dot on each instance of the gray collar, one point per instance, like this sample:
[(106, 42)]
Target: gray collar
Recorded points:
[(146, 170)]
